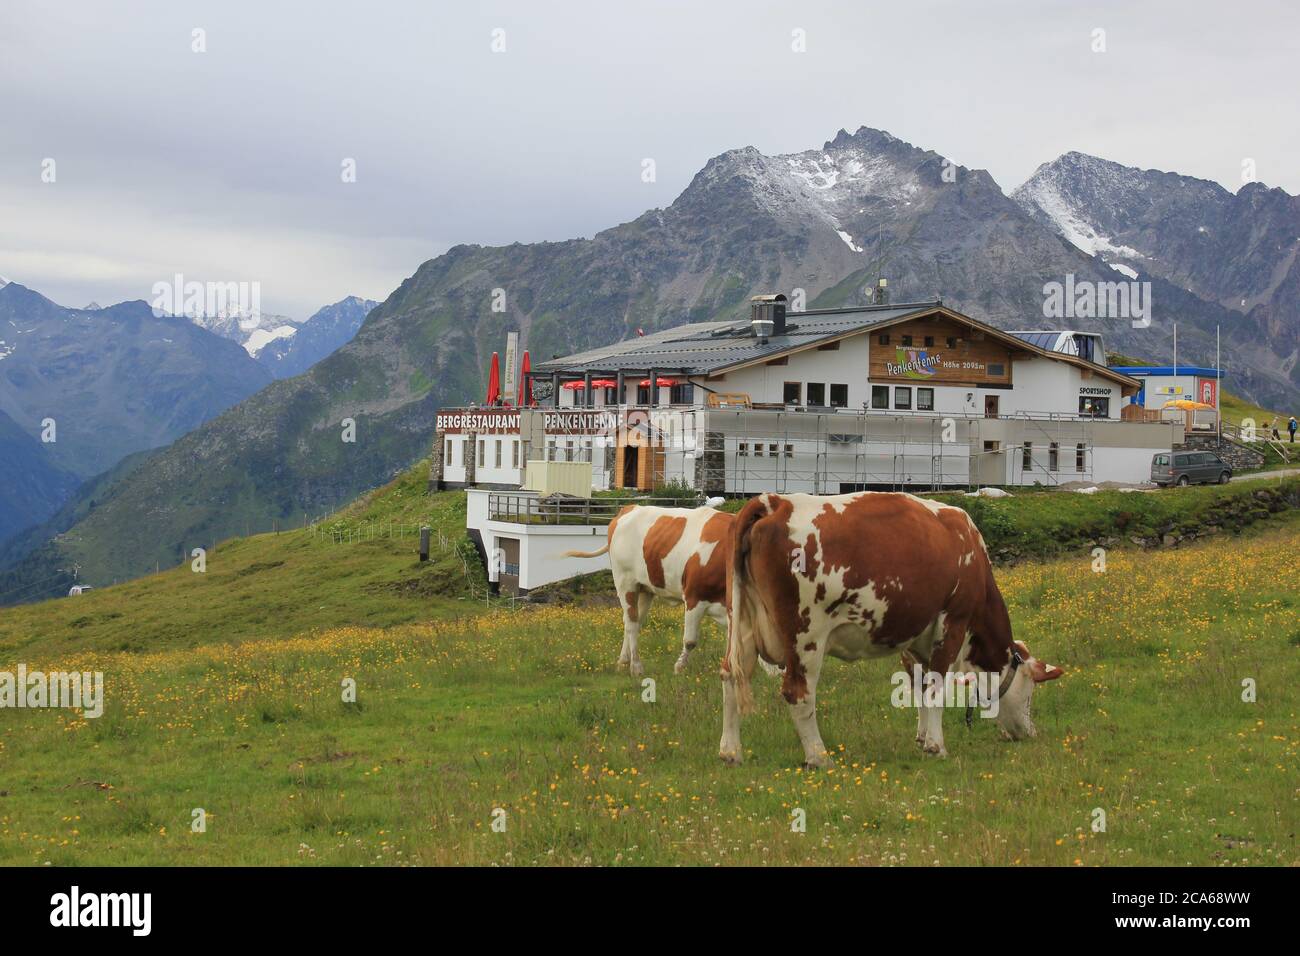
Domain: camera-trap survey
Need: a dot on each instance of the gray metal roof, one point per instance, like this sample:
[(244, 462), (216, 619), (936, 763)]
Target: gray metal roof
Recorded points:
[(1044, 340), (703, 347)]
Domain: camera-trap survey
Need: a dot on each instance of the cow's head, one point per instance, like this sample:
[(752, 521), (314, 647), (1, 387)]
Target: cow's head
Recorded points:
[(1019, 677)]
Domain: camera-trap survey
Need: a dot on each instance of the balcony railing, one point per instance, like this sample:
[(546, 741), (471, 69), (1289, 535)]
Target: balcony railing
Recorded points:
[(524, 508)]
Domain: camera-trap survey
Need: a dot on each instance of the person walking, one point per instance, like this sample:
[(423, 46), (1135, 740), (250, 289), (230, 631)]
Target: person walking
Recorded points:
[(1291, 427)]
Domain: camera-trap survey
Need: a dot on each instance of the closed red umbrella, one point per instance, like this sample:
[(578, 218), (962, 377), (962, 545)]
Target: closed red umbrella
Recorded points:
[(494, 381), (525, 383)]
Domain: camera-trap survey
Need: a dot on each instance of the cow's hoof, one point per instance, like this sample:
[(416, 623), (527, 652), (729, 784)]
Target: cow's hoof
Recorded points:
[(679, 666), (730, 759), (620, 664), (936, 750), (820, 762), (637, 668)]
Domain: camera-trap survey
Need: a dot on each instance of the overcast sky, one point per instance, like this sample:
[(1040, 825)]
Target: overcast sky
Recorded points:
[(226, 165)]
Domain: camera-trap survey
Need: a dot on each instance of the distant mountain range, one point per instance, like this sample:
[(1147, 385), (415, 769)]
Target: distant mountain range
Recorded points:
[(286, 347), (1236, 250), (826, 221), (117, 380)]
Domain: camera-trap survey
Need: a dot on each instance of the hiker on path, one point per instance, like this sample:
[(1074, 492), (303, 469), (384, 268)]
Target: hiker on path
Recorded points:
[(1291, 427)]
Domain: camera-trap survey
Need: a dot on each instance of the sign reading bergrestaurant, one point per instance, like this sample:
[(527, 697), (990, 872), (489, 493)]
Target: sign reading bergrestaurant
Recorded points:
[(505, 421), (457, 421)]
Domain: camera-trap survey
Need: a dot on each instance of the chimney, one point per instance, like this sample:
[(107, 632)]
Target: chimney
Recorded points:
[(767, 316), (881, 294)]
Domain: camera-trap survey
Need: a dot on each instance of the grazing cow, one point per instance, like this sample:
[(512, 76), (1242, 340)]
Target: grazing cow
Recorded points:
[(675, 553), (865, 575)]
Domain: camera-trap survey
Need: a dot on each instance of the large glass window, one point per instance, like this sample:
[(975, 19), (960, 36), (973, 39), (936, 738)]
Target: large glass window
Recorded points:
[(879, 396), (793, 393), (839, 396), (902, 397), (1093, 407), (816, 393), (925, 399)]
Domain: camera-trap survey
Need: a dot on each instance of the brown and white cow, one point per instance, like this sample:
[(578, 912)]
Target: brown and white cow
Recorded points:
[(870, 574), (675, 553)]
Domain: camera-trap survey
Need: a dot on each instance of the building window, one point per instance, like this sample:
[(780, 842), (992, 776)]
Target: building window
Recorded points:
[(903, 398), (447, 456), (1091, 407), (514, 453), (793, 394), (907, 340), (789, 451), (817, 393), (879, 396), (482, 443), (771, 451), (1080, 455), (997, 370), (742, 450), (1053, 457), (839, 396), (1027, 456), (611, 396), (643, 394), (952, 341), (929, 341), (925, 399), (883, 338), (683, 394), (758, 449), (498, 456)]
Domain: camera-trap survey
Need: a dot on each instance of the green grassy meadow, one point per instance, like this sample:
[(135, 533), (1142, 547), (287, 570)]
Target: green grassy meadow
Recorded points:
[(464, 716)]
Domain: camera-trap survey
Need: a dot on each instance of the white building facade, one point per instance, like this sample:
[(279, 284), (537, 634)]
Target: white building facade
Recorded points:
[(912, 397)]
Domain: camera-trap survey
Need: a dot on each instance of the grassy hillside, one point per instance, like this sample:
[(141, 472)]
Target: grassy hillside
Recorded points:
[(523, 714), (280, 585), (274, 585)]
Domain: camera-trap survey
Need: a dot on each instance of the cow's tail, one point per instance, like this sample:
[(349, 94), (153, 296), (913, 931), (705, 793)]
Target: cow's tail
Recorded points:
[(742, 614), (587, 554), (609, 537)]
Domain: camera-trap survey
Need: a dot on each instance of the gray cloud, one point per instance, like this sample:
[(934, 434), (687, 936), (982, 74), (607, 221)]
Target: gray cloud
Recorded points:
[(226, 164)]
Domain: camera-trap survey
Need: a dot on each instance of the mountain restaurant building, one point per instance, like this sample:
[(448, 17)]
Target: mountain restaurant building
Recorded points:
[(910, 396)]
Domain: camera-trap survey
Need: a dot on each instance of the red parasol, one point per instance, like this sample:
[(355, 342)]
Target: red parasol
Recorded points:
[(661, 382), (525, 382), (580, 384), (494, 381)]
